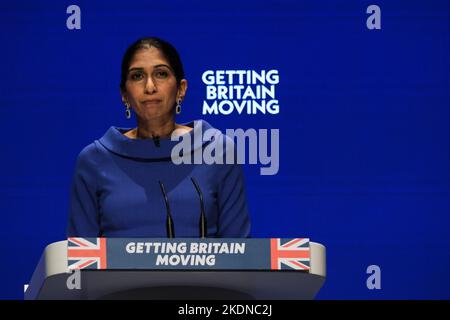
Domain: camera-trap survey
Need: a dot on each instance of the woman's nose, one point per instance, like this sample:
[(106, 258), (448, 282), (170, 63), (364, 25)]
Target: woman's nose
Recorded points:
[(150, 86)]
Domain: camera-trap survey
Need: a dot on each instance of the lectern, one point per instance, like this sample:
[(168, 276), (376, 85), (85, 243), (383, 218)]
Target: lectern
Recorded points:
[(181, 269)]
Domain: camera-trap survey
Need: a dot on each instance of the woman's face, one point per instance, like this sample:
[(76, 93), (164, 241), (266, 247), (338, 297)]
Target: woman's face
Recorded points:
[(151, 86)]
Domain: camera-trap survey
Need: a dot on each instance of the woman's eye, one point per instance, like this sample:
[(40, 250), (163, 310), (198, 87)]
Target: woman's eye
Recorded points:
[(136, 76), (161, 74)]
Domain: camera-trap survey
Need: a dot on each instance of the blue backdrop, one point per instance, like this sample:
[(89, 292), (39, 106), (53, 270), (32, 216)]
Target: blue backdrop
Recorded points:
[(364, 124)]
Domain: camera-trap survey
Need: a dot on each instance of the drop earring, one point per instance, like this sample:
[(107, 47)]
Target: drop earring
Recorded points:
[(127, 110), (178, 107)]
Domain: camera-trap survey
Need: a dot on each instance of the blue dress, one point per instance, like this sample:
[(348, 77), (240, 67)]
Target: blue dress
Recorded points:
[(116, 191)]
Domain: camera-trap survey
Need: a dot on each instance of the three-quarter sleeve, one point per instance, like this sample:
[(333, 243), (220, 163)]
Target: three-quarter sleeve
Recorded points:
[(83, 217), (234, 221)]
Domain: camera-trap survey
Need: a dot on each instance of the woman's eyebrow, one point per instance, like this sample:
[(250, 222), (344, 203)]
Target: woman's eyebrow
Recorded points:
[(155, 66), (162, 65)]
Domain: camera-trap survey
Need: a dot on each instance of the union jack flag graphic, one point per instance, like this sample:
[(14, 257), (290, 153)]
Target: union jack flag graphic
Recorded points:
[(290, 254), (86, 253)]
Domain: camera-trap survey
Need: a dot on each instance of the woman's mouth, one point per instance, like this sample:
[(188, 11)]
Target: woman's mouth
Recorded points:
[(150, 102)]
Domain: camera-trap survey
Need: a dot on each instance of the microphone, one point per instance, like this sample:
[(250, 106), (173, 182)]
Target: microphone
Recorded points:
[(156, 141), (169, 223), (203, 225)]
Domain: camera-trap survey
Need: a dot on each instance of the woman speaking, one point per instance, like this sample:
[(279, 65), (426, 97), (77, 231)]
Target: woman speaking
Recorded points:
[(126, 183)]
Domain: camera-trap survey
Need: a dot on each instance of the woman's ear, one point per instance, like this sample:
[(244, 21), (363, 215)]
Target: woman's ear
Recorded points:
[(124, 96), (182, 89)]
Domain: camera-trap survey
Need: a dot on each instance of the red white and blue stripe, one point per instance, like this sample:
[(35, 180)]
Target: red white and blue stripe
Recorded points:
[(288, 254), (86, 253)]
